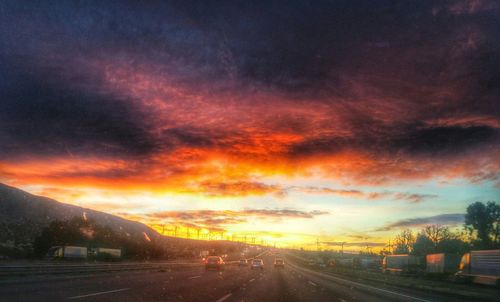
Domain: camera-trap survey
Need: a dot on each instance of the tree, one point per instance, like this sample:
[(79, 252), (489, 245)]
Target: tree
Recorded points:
[(59, 233), (483, 221), (423, 245), (452, 246), (404, 242), (83, 232), (438, 239), (437, 233)]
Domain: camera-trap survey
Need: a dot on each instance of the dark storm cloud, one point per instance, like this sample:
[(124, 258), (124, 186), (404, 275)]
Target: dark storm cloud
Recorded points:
[(447, 140), (188, 136), (294, 46), (318, 46), (413, 140), (43, 113), (443, 219)]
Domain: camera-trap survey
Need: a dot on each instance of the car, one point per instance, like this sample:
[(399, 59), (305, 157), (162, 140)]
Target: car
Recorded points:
[(214, 262), (242, 262), (279, 263), (257, 264)]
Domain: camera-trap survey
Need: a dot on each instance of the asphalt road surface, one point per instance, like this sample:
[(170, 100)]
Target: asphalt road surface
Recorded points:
[(193, 283)]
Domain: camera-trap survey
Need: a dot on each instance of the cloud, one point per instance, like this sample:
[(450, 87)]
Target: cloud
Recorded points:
[(320, 190), (219, 219), (283, 213), (237, 188), (448, 140), (471, 7), (443, 219), (42, 110), (260, 213), (414, 198), (399, 196), (360, 244)]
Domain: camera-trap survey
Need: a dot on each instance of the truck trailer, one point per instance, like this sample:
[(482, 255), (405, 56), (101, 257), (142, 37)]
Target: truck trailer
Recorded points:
[(342, 262), (367, 262), (402, 263), (68, 252), (101, 252), (480, 267), (442, 263), (204, 254)]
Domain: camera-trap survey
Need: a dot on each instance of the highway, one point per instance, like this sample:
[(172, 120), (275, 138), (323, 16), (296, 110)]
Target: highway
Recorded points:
[(193, 283)]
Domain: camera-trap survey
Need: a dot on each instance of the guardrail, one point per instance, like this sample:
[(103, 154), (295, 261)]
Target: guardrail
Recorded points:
[(42, 269), (79, 268)]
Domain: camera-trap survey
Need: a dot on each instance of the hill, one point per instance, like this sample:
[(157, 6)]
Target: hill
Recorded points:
[(24, 215)]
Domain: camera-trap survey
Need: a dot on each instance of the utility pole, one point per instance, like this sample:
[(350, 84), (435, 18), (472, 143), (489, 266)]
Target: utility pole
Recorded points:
[(317, 244), (198, 233)]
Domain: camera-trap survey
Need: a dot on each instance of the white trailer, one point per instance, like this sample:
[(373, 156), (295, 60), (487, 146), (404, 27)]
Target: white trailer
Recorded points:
[(68, 252), (480, 267), (106, 252), (367, 262), (402, 263), (442, 263)]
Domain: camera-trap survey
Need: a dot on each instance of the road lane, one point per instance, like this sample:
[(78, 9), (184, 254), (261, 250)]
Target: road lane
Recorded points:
[(282, 285), (60, 289), (171, 285), (98, 294)]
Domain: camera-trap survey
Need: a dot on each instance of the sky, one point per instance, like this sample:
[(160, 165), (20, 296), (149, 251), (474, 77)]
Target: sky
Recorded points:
[(291, 122)]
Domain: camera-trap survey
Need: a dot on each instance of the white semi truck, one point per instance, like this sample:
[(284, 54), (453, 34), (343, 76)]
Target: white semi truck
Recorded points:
[(68, 252), (480, 267)]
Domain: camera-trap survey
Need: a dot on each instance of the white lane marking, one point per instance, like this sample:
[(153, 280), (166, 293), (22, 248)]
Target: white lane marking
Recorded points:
[(360, 284), (342, 300), (194, 277), (312, 283), (98, 294), (252, 280), (224, 298)]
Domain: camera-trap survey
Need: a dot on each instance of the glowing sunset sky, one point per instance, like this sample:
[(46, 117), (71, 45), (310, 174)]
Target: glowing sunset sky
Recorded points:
[(338, 120)]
